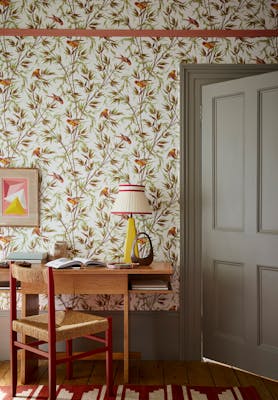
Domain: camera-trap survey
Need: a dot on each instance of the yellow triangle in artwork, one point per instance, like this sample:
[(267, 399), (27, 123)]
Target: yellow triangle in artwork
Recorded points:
[(15, 208)]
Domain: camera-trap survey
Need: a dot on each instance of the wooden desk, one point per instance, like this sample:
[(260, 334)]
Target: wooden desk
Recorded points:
[(4, 277), (98, 280)]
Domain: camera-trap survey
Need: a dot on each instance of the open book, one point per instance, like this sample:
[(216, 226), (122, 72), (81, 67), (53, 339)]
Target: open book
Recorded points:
[(74, 262)]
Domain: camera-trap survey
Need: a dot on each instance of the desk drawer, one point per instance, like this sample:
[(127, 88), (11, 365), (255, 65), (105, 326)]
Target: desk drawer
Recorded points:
[(33, 288), (63, 285), (101, 284)]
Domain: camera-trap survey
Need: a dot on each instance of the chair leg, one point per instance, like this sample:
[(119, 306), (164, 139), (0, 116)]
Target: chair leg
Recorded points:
[(109, 360), (13, 363), (69, 354), (52, 371)]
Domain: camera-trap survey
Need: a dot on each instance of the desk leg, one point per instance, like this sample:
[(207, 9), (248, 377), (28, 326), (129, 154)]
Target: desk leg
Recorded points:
[(29, 364), (126, 337)]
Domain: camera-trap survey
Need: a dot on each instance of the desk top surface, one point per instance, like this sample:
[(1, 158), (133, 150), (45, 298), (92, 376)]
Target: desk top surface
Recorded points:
[(154, 268)]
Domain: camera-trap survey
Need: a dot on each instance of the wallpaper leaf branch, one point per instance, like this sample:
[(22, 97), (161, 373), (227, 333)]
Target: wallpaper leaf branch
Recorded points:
[(91, 113), (130, 14)]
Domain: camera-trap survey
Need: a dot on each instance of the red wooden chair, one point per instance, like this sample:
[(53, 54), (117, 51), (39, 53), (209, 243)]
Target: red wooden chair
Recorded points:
[(53, 327)]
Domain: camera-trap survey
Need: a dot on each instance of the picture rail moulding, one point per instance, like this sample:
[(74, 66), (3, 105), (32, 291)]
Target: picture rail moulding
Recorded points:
[(222, 33)]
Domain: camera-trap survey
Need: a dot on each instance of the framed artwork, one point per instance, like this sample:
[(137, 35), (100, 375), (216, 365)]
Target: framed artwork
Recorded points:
[(19, 197)]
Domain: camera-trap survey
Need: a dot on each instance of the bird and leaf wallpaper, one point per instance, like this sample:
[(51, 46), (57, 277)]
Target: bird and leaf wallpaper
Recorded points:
[(91, 112)]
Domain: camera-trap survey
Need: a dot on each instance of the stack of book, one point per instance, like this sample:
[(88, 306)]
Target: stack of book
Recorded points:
[(31, 257), (149, 284)]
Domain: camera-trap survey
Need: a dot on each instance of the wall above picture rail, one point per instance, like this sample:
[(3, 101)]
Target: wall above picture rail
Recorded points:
[(141, 32)]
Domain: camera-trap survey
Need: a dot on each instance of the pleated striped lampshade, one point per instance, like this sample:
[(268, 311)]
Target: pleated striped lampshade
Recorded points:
[(131, 199)]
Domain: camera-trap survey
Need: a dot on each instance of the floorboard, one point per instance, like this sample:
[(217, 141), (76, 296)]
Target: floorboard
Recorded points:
[(223, 376), (199, 374), (150, 373), (175, 372), (252, 380), (205, 373)]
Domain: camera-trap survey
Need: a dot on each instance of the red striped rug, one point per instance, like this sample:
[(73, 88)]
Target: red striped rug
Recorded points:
[(133, 392)]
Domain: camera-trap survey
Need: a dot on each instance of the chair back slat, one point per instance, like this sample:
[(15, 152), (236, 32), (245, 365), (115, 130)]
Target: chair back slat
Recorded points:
[(30, 275)]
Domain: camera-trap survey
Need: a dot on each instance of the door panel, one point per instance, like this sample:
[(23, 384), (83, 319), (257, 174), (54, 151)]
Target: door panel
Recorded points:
[(268, 161), (228, 279), (268, 293), (240, 220), (228, 139)]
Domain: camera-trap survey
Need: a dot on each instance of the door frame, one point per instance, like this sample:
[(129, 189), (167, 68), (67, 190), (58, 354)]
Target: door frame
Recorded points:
[(193, 77)]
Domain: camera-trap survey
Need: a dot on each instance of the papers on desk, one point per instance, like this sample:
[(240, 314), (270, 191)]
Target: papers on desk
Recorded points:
[(119, 265), (149, 284), (76, 262)]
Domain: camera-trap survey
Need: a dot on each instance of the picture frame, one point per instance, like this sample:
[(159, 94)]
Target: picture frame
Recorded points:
[(19, 197)]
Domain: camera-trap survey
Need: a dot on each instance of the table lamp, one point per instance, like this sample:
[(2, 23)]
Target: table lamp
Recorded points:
[(131, 200)]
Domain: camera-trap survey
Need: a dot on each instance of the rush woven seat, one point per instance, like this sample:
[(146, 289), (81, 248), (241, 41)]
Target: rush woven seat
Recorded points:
[(55, 326), (69, 324)]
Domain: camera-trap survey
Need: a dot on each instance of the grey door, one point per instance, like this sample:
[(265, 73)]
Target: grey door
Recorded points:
[(240, 223)]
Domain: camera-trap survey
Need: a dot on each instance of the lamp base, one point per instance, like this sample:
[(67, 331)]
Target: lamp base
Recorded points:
[(130, 236)]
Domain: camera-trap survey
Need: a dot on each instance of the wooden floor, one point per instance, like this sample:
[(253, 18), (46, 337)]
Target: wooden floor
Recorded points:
[(157, 372)]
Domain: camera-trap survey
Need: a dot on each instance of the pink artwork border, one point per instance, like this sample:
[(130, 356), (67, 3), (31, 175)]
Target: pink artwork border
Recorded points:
[(21, 186)]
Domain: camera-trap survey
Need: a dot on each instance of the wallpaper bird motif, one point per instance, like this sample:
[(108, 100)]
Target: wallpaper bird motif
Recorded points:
[(93, 112)]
